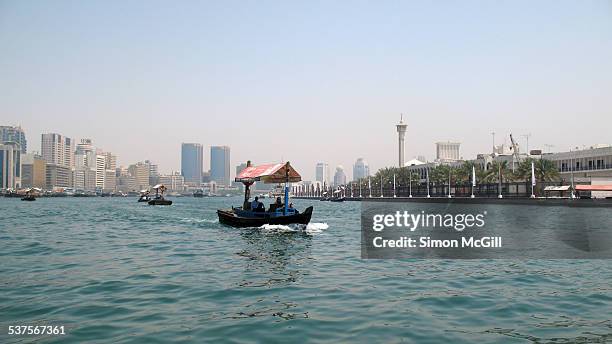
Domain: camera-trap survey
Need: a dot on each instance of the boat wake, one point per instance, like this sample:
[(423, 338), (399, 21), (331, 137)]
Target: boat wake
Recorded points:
[(311, 228)]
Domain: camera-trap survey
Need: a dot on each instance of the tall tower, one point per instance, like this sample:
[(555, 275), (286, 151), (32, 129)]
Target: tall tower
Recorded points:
[(401, 133)]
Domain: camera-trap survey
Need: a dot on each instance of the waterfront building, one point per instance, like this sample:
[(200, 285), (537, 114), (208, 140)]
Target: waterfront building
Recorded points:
[(124, 181), (174, 182), (361, 169), (57, 149), (401, 133), (140, 172), (339, 176), (10, 165), (192, 163), (84, 178), (33, 171), (100, 171), (322, 173), (153, 172), (110, 161), (220, 165), (14, 134), (58, 177), (447, 151), (110, 180)]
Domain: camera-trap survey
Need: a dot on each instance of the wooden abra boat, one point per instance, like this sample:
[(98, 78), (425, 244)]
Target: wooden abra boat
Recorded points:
[(159, 196), (278, 214), (29, 194)]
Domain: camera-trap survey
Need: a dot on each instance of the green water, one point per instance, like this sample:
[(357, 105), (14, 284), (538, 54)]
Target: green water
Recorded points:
[(113, 270)]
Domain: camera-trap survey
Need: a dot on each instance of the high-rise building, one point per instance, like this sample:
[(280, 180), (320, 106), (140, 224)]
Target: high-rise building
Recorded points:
[(360, 169), (140, 172), (10, 165), (100, 169), (401, 133), (84, 178), (14, 134), (57, 150), (110, 161), (192, 159), (153, 172), (33, 171), (110, 180), (447, 151), (220, 164), (339, 176), (322, 172), (58, 176)]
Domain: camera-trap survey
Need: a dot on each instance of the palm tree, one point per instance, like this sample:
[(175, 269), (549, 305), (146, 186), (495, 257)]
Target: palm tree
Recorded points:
[(498, 170)]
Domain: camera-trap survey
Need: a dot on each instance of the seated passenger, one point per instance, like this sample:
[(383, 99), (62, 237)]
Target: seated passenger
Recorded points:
[(276, 205), (292, 208), (255, 204)]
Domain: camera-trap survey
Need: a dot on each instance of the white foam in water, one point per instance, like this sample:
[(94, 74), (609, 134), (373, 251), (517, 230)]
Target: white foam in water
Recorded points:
[(277, 228), (311, 228)]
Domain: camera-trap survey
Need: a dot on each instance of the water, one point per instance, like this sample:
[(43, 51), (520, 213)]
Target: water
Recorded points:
[(113, 270)]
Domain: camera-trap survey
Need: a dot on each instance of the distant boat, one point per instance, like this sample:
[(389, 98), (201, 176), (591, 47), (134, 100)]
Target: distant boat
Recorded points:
[(29, 194), (337, 199), (144, 196), (281, 214), (159, 196), (199, 193)]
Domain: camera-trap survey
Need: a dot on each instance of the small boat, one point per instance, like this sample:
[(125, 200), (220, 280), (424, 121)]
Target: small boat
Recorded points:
[(144, 196), (280, 214), (29, 195), (159, 196), (337, 199), (199, 193)]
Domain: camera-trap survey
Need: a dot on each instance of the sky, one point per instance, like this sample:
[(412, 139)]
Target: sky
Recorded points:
[(307, 81)]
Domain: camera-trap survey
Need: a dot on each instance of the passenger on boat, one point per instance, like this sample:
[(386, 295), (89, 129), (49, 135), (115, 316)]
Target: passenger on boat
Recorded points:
[(256, 205), (291, 207), (276, 205)]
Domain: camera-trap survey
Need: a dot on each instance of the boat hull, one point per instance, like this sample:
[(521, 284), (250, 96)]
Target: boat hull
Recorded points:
[(160, 202), (29, 199), (230, 218)]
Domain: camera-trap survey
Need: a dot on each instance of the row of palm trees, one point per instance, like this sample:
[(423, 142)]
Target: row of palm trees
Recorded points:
[(498, 172)]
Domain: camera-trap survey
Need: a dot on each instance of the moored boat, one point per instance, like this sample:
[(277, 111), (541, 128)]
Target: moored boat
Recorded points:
[(280, 213)]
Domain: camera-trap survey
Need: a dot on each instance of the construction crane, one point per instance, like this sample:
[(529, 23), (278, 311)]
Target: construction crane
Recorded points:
[(527, 136), (515, 149)]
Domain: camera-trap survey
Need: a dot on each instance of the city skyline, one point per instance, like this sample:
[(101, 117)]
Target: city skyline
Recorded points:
[(337, 84)]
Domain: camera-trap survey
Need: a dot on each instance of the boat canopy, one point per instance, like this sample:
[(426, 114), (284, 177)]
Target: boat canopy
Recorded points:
[(593, 187), (159, 186), (557, 188), (269, 173)]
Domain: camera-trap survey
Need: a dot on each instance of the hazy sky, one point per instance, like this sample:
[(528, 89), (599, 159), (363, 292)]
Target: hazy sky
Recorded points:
[(306, 81)]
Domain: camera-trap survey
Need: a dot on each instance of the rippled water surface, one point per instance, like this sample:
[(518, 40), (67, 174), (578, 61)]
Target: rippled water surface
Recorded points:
[(117, 271)]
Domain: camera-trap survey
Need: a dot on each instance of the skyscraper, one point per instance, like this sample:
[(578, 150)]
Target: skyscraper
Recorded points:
[(140, 173), (360, 169), (339, 176), (322, 173), (14, 134), (220, 164), (10, 165), (191, 163), (57, 150)]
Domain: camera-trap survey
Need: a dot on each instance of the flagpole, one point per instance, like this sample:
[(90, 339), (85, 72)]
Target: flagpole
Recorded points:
[(449, 182), (532, 179), (370, 186), (394, 195), (410, 177), (359, 188), (428, 195), (473, 180), (381, 186)]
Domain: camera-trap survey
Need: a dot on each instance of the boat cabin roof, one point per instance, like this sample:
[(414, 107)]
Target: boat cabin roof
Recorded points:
[(269, 173)]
